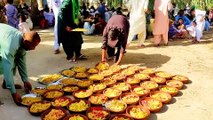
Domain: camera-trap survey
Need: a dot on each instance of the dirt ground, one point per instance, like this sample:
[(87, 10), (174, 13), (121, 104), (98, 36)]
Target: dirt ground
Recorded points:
[(180, 57)]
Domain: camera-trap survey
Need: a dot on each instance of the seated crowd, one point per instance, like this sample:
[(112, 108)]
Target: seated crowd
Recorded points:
[(15, 15), (94, 21), (189, 25)]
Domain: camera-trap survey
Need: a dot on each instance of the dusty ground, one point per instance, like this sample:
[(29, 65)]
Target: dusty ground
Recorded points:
[(180, 57)]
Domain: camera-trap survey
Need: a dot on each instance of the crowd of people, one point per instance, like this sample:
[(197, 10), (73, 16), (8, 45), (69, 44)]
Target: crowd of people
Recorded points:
[(16, 16), (190, 23), (165, 23), (184, 23)]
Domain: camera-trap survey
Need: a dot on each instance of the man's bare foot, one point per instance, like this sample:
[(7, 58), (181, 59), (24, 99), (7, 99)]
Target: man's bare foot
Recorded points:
[(141, 46), (73, 60), (17, 99), (166, 44), (127, 45), (157, 45)]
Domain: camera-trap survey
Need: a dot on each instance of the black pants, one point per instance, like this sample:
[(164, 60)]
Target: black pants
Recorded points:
[(71, 41), (111, 52), (71, 45), (71, 49)]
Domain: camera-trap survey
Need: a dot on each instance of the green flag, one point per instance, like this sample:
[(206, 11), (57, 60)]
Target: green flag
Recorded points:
[(75, 11)]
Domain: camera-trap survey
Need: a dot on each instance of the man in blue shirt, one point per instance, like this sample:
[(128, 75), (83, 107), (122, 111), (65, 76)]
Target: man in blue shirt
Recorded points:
[(13, 47), (101, 9), (181, 15)]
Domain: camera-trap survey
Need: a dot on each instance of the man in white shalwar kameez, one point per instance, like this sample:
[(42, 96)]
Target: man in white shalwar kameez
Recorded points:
[(197, 31), (137, 20), (200, 20), (55, 5)]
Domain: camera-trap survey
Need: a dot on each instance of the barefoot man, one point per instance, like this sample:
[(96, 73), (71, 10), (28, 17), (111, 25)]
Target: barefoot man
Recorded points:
[(13, 47), (161, 25)]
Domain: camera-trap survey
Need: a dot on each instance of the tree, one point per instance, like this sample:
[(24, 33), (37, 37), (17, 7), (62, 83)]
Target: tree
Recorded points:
[(115, 3), (200, 4)]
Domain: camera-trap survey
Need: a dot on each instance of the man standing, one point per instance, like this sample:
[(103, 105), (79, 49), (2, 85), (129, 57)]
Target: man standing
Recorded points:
[(101, 9), (115, 35), (67, 21), (11, 13), (13, 47), (55, 5), (161, 24), (200, 20), (138, 20)]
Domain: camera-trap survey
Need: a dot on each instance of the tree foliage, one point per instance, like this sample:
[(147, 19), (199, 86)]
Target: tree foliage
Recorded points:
[(201, 4), (115, 3)]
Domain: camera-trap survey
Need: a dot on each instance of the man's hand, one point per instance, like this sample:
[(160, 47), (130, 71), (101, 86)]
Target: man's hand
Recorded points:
[(119, 59), (68, 29), (27, 86), (103, 55), (103, 60), (88, 20), (202, 19)]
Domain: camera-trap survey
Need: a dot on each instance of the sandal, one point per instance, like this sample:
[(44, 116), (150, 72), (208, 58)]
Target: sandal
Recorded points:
[(81, 57), (69, 58), (141, 46)]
